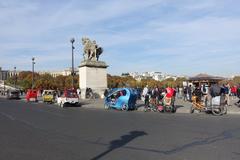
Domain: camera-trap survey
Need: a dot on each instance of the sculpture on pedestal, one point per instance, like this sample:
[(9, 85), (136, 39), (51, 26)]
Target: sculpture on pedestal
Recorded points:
[(92, 72), (91, 50)]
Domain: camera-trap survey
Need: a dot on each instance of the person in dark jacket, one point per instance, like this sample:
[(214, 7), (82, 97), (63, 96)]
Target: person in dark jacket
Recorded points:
[(105, 93), (189, 92), (198, 93), (185, 93)]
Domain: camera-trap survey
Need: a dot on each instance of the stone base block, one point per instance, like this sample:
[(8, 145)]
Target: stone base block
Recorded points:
[(93, 74)]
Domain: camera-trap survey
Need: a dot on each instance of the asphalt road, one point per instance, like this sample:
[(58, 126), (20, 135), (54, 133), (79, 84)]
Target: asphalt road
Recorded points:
[(36, 131)]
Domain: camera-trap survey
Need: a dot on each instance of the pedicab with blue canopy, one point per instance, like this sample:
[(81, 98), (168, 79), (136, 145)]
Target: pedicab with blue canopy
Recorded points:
[(121, 99)]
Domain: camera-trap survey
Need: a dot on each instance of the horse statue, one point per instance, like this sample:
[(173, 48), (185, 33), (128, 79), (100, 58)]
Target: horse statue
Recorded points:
[(91, 50)]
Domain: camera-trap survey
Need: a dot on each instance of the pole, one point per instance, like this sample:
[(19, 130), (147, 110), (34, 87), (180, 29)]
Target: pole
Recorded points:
[(72, 41), (15, 77), (33, 71)]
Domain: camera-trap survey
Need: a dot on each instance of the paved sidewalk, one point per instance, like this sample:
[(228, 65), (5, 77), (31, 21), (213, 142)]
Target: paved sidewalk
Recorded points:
[(182, 106)]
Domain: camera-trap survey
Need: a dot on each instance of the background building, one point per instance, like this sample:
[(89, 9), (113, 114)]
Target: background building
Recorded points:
[(158, 76), (66, 72), (3, 74)]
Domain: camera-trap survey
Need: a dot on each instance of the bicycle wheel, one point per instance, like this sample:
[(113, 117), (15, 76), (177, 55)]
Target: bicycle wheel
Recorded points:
[(192, 109), (216, 110)]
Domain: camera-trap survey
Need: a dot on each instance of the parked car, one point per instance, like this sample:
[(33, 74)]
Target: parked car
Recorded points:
[(49, 96), (31, 95), (13, 94), (69, 96)]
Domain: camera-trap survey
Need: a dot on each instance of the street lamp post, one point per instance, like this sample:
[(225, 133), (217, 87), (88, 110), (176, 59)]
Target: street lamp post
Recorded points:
[(72, 41), (15, 77), (33, 62)]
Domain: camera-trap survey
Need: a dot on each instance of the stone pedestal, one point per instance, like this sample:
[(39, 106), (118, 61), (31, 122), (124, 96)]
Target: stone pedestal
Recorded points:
[(93, 74)]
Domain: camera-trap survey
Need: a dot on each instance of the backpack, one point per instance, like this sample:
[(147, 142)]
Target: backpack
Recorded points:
[(215, 90)]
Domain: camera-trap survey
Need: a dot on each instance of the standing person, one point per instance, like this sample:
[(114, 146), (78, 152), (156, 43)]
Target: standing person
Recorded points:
[(234, 91), (238, 95), (145, 95), (227, 92), (189, 92), (174, 95), (204, 90), (214, 91), (198, 93), (79, 92), (185, 93), (177, 92), (155, 95), (180, 92), (160, 96), (105, 93), (170, 94)]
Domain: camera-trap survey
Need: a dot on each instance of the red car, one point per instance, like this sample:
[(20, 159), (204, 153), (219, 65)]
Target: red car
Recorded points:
[(31, 95)]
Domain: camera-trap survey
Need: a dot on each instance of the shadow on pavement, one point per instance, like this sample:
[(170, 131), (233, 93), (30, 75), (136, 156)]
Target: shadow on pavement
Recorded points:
[(228, 134), (140, 105), (178, 106), (73, 105), (84, 103), (118, 143), (115, 144)]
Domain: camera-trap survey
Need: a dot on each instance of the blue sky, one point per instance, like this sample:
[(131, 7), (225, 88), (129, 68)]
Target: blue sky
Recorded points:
[(182, 37)]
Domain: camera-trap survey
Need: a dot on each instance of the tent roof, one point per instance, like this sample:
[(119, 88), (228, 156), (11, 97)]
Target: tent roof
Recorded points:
[(205, 77)]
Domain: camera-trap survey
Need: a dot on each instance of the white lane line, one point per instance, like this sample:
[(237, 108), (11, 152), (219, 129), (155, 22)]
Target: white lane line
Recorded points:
[(22, 121), (8, 116)]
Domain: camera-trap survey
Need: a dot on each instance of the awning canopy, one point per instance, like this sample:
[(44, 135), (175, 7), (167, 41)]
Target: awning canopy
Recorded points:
[(205, 78)]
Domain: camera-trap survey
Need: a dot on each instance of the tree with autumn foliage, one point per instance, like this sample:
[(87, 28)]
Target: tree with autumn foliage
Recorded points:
[(45, 81), (118, 82)]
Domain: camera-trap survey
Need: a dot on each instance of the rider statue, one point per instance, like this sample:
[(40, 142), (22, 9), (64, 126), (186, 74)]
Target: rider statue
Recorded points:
[(91, 50)]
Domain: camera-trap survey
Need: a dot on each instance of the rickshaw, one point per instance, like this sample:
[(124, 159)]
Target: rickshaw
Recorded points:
[(121, 99), (168, 100), (217, 106), (31, 95), (168, 104), (69, 97), (49, 96), (163, 104), (13, 94)]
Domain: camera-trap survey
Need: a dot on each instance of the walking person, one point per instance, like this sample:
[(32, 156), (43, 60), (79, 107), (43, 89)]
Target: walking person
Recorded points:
[(189, 93), (185, 93)]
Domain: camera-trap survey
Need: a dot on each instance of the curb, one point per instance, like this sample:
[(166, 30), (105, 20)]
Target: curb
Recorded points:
[(185, 111)]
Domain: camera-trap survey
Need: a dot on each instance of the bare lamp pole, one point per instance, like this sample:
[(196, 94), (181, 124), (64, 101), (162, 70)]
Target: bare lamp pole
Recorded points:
[(72, 41), (15, 77), (33, 71)]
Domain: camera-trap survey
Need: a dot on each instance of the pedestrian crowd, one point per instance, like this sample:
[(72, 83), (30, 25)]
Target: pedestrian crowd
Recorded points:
[(154, 96), (205, 93)]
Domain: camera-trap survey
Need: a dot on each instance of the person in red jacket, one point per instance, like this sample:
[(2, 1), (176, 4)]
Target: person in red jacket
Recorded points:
[(238, 95), (169, 92)]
